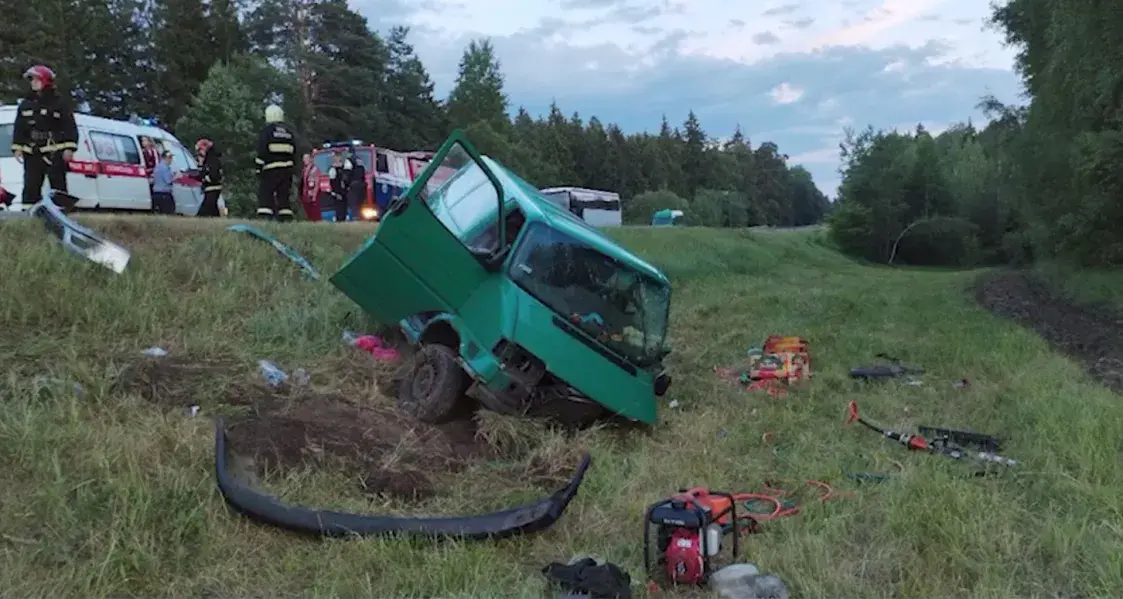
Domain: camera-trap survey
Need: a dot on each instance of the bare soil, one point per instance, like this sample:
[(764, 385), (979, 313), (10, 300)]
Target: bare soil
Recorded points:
[(390, 454), (1089, 333), (346, 427)]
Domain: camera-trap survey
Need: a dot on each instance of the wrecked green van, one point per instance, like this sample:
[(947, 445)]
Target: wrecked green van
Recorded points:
[(534, 313)]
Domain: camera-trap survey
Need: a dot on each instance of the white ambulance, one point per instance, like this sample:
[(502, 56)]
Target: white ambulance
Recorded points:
[(107, 172)]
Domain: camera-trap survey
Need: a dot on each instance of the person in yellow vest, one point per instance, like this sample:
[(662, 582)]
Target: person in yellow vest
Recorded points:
[(276, 162)]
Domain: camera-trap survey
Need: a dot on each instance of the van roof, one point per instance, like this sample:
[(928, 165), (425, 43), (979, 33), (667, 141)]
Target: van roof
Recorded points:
[(582, 191), (8, 116)]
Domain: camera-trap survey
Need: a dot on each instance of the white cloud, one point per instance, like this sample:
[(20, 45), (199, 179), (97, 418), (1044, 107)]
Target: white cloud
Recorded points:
[(883, 63), (786, 94)]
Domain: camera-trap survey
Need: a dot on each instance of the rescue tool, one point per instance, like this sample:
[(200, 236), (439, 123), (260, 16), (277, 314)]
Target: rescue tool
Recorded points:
[(688, 529), (685, 533), (948, 444)]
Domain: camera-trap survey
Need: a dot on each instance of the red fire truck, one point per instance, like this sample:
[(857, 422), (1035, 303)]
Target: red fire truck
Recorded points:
[(387, 175)]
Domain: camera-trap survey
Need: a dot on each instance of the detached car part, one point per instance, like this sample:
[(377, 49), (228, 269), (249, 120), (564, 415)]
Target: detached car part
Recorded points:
[(281, 248), (529, 518), (76, 238)]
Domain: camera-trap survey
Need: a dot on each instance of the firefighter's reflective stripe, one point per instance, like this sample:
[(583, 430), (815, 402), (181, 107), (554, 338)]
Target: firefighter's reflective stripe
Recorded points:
[(284, 212), (265, 211), (59, 147), (27, 112), (282, 164), (281, 148), (213, 188), (21, 148)]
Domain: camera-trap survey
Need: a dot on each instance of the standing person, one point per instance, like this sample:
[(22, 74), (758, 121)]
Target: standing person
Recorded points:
[(357, 192), (340, 176), (309, 188), (276, 149), (210, 174), (163, 177), (151, 158), (45, 135), (149, 153)]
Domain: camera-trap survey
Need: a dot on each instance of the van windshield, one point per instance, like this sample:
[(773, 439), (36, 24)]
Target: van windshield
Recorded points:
[(322, 158), (619, 306), (6, 141)]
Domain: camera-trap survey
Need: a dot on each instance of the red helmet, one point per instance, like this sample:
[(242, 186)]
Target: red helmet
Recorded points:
[(203, 145), (42, 73)]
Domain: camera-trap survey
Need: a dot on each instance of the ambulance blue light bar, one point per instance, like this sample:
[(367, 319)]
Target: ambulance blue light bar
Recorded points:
[(336, 144)]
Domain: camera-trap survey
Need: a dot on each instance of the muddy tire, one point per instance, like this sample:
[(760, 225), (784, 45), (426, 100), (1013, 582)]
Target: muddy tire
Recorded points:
[(433, 388)]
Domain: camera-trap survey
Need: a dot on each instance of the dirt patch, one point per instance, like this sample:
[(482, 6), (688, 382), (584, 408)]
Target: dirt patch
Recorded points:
[(389, 453), (1092, 334), (173, 381), (339, 421)]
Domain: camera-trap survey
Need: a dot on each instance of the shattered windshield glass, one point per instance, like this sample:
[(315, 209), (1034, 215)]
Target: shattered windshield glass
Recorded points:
[(622, 308)]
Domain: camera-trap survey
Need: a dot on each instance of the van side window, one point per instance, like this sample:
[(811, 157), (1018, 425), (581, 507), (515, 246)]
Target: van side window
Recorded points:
[(381, 165), (181, 160), (110, 147), (6, 141), (399, 167), (183, 157)]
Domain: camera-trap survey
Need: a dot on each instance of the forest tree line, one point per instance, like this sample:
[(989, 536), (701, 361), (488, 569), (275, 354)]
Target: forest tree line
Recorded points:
[(208, 68), (1040, 181)]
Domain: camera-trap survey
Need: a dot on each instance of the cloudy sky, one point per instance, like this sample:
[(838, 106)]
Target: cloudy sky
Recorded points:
[(792, 72)]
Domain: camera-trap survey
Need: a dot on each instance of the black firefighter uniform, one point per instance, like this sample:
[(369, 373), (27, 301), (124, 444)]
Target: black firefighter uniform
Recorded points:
[(211, 174), (275, 163), (44, 129)]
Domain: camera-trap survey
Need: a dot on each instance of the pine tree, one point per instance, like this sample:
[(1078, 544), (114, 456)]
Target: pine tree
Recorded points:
[(415, 118), (478, 93)]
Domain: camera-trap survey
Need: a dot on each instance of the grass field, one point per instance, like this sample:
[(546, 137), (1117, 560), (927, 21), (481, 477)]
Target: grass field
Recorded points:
[(111, 492)]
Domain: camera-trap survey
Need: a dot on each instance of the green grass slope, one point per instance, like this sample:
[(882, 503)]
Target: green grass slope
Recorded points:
[(108, 493)]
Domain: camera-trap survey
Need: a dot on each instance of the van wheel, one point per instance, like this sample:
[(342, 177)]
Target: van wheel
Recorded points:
[(433, 390)]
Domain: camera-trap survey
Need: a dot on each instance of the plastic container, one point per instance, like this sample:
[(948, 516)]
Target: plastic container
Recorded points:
[(713, 540), (272, 374)]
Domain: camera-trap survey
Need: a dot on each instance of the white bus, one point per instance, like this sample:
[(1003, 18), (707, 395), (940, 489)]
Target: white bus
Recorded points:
[(596, 207)]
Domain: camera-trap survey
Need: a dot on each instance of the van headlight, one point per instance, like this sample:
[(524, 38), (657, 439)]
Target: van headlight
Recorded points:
[(369, 213)]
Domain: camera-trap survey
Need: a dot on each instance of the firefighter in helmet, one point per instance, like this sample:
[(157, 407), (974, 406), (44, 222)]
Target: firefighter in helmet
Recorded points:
[(45, 135), (276, 161), (210, 174)]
